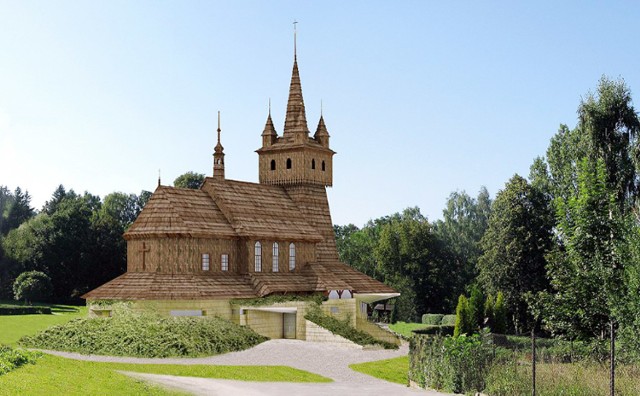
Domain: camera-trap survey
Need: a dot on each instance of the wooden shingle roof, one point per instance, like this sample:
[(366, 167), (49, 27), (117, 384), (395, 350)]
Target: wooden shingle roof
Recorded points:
[(172, 211), (260, 211)]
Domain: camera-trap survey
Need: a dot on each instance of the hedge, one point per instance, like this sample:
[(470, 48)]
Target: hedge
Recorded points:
[(442, 330), (23, 310), (432, 319), (448, 320)]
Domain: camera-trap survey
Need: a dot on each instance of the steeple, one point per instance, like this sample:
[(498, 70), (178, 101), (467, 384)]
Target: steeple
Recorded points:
[(322, 135), (218, 156), (269, 135), (295, 124)]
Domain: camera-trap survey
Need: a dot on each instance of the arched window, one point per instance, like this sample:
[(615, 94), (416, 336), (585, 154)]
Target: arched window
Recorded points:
[(275, 257), (288, 163), (292, 257), (224, 262), (273, 164), (258, 257), (205, 261), (313, 164), (323, 166)]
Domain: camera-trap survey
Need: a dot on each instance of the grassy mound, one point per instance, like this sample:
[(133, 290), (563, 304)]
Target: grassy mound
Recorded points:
[(146, 335), (11, 359), (343, 328)]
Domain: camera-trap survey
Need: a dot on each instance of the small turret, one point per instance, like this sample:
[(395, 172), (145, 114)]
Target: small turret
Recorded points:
[(322, 135), (269, 135), (218, 156)]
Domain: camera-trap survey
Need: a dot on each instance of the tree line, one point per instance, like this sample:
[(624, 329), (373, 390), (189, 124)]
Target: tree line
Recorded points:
[(561, 245)]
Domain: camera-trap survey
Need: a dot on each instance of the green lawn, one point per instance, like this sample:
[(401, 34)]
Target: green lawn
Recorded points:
[(406, 328), (13, 327), (392, 370), (57, 375)]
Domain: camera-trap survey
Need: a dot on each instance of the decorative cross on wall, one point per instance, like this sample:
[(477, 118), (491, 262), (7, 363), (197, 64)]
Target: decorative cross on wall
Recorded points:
[(144, 249)]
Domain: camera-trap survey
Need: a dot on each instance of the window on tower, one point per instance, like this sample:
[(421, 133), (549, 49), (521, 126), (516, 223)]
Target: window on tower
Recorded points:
[(288, 163), (275, 255), (273, 164), (292, 257), (323, 166), (313, 164)]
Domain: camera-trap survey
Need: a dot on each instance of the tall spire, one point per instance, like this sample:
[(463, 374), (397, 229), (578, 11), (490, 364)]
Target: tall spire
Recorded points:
[(295, 124), (218, 156)]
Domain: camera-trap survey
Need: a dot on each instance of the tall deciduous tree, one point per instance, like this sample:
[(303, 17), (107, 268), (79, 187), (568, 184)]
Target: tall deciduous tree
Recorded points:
[(517, 239), (191, 180)]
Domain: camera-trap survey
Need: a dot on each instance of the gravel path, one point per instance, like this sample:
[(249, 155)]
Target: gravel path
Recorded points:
[(327, 360)]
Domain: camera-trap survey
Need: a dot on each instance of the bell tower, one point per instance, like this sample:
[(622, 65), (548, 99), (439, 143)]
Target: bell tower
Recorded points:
[(295, 158)]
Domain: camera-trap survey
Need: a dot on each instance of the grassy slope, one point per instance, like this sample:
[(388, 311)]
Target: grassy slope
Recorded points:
[(15, 326), (392, 370)]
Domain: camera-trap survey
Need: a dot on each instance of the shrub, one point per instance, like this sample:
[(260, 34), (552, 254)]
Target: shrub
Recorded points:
[(11, 359), (476, 308), (442, 330), (21, 310), (448, 320), (499, 315), (32, 286), (432, 319), (488, 311), (464, 323), (146, 335), (455, 364), (343, 328)]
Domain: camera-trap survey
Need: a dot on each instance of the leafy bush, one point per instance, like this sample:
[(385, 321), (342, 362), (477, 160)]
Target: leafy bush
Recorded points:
[(32, 286), (317, 298), (448, 320), (432, 319), (343, 328), (146, 335), (11, 359), (22, 310), (476, 308), (455, 364)]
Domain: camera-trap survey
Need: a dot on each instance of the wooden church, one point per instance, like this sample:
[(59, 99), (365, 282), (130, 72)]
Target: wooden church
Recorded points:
[(197, 252)]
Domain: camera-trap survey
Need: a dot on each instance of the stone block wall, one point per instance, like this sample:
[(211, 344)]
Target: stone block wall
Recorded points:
[(316, 333)]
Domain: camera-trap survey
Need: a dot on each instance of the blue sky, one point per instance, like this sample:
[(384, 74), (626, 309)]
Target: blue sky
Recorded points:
[(420, 98)]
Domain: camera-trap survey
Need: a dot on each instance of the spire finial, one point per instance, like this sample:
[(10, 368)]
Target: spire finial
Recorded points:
[(295, 31), (219, 127), (269, 107), (159, 178), (320, 108)]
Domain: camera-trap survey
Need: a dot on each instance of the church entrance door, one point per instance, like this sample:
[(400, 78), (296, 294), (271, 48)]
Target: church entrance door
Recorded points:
[(289, 325)]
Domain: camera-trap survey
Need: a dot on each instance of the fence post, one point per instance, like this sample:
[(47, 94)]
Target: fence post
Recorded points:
[(533, 361), (612, 359)]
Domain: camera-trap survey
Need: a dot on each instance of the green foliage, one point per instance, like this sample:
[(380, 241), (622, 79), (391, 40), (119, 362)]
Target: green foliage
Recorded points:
[(464, 320), (405, 330), (343, 328), (15, 209), (32, 286), (499, 315), (11, 359), (392, 370), (432, 319), (443, 330), (189, 179), (146, 335), (476, 307), (489, 304), (316, 298), (454, 364), (464, 222), (449, 320), (22, 310), (515, 244)]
